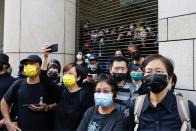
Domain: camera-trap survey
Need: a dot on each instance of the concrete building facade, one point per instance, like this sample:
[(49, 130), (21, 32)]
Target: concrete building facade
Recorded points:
[(177, 38), (28, 24)]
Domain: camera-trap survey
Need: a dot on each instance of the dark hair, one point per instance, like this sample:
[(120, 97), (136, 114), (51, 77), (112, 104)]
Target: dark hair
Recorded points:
[(80, 52), (79, 71), (119, 59), (121, 50), (20, 68), (168, 64), (134, 46), (174, 80), (54, 64), (134, 67), (1, 66), (109, 80)]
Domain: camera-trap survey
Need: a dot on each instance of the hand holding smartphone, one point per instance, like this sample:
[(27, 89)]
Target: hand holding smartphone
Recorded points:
[(53, 48)]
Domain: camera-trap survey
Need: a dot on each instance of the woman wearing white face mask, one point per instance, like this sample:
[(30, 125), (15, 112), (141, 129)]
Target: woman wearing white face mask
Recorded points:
[(103, 116), (79, 60)]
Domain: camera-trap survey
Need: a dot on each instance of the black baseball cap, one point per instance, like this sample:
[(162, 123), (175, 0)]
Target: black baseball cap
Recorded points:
[(93, 57), (4, 59), (31, 58)]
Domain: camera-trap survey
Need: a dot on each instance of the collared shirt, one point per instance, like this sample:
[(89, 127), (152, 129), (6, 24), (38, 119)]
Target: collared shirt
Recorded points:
[(164, 117), (141, 90)]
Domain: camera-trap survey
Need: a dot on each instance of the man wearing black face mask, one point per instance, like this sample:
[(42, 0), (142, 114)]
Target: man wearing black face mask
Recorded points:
[(119, 71)]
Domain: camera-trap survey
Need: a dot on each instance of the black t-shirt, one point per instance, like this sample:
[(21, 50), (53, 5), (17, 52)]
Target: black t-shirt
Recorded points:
[(21, 94), (5, 82), (71, 108), (92, 73), (71, 105), (94, 121), (163, 117), (83, 65)]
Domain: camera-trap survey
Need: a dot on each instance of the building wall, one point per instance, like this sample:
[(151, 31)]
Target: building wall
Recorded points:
[(1, 22), (177, 36), (30, 23)]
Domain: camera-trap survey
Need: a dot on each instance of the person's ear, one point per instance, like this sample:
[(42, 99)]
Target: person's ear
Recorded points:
[(5, 66), (110, 70), (169, 79), (169, 85)]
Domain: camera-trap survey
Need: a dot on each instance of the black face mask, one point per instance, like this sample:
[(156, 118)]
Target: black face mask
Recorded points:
[(136, 55), (156, 82), (52, 76), (119, 76)]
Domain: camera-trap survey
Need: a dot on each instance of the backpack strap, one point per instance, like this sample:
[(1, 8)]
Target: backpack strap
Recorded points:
[(137, 109), (184, 113)]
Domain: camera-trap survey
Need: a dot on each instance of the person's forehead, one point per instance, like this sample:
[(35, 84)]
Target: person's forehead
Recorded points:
[(53, 69), (155, 64), (31, 62), (118, 52), (93, 61), (80, 52), (119, 63), (71, 70), (103, 85)]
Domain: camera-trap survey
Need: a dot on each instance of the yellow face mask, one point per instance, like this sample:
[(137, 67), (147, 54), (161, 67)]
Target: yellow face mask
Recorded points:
[(69, 80), (30, 70)]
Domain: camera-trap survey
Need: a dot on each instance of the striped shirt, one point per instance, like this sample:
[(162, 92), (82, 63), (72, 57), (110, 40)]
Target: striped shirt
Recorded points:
[(124, 92)]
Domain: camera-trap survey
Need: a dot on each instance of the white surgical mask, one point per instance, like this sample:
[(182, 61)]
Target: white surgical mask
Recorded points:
[(103, 99), (93, 66), (79, 56)]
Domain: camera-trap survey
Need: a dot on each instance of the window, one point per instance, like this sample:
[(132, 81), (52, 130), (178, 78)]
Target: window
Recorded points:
[(105, 25)]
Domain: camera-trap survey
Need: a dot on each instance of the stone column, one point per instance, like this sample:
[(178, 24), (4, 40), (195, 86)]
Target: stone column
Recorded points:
[(1, 23), (177, 36), (30, 23)]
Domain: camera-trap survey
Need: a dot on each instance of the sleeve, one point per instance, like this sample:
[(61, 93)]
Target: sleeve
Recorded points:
[(192, 109), (86, 119), (53, 88), (11, 94), (89, 99)]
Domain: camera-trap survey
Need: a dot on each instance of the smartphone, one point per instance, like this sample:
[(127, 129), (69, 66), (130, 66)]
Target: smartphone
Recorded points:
[(53, 48), (89, 75), (27, 105)]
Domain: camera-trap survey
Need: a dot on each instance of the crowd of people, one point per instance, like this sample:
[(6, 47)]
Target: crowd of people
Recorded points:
[(104, 40), (131, 95), (141, 33)]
